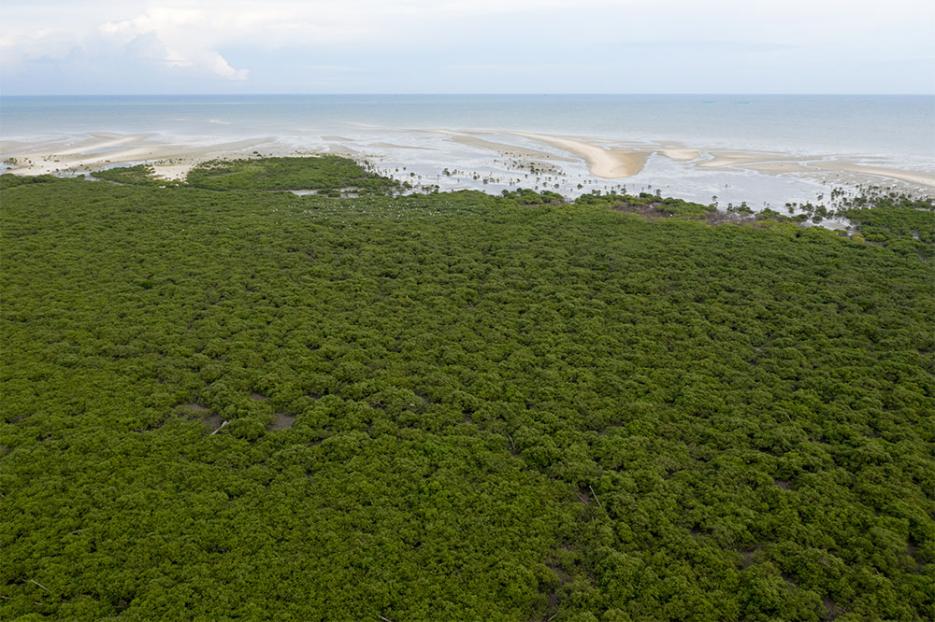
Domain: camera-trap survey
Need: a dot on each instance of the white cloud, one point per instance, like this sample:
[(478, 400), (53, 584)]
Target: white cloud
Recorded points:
[(224, 39), (193, 33), (176, 31)]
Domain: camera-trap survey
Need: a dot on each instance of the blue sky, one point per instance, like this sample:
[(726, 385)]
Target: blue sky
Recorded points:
[(467, 46)]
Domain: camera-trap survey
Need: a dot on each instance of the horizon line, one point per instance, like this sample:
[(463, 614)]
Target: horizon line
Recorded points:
[(479, 94)]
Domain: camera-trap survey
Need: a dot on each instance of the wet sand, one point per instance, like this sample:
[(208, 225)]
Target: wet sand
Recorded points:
[(604, 161), (102, 150), (504, 149)]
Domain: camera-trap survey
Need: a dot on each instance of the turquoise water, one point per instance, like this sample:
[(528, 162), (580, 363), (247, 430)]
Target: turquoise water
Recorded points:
[(894, 127)]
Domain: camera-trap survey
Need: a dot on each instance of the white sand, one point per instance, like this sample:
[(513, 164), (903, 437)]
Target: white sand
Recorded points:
[(604, 163), (680, 153)]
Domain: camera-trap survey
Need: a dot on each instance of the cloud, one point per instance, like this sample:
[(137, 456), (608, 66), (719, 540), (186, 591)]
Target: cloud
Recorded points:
[(252, 45), (174, 32), (194, 33), (189, 36)]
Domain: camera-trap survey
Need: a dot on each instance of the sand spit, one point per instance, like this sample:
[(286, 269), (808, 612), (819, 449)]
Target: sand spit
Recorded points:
[(386, 145), (504, 149), (604, 163), (746, 159), (679, 153)]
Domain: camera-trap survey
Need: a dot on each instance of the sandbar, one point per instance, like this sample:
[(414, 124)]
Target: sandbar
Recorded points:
[(604, 163)]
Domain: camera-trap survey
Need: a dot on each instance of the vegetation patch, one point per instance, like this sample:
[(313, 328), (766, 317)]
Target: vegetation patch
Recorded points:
[(326, 174), (139, 175), (648, 205), (904, 224)]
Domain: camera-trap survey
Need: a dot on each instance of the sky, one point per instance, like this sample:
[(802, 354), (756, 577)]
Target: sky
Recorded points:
[(466, 46)]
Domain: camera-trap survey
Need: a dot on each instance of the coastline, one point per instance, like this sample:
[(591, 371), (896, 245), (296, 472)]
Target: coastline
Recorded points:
[(492, 160)]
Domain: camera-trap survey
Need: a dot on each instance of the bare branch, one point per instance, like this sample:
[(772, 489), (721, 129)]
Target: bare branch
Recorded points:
[(40, 585), (594, 494)]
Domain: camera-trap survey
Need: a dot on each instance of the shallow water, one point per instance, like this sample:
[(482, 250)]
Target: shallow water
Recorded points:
[(413, 134)]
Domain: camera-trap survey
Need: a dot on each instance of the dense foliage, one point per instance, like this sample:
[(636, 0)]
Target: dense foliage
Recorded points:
[(254, 405), (142, 174), (649, 205), (327, 174)]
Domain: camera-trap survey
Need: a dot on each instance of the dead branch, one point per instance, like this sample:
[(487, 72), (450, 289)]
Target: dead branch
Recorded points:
[(40, 585)]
